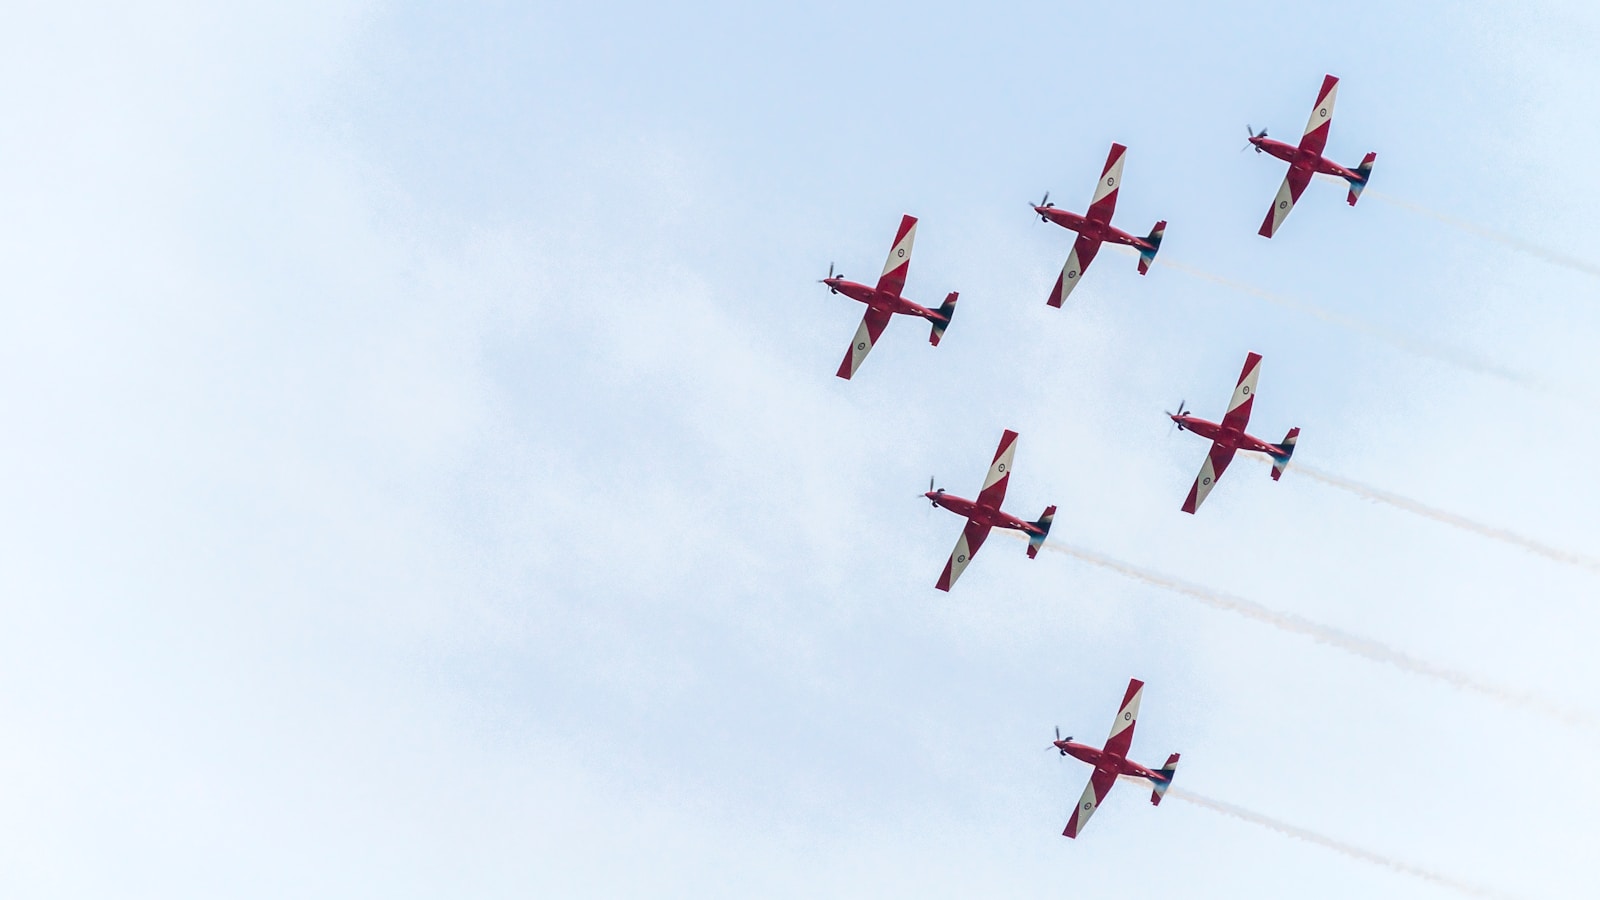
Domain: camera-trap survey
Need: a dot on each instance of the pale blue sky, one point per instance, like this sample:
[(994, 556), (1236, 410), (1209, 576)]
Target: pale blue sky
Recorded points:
[(425, 475)]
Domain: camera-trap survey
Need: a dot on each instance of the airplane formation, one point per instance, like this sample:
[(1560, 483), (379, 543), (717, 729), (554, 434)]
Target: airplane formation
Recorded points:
[(1093, 229)]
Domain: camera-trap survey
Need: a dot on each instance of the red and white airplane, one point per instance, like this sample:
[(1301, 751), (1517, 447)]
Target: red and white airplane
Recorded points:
[(1095, 228), (1112, 761), (1307, 160), (884, 300), (1229, 436), (985, 514)]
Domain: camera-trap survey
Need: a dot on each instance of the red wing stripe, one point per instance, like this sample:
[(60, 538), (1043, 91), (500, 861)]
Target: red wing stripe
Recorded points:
[(1211, 470), (1083, 252), (1121, 738), (867, 333), (1105, 191), (1094, 794), (1294, 184), (1244, 395), (999, 476), (1321, 121), (898, 264), (972, 538)]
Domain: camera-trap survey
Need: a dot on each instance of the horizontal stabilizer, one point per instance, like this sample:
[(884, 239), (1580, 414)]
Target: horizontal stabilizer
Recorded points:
[(1036, 540), (1163, 780), (1280, 460), (946, 313), (1147, 256), (1363, 172)]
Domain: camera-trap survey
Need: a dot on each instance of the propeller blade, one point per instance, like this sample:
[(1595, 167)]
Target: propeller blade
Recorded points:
[(1058, 732)]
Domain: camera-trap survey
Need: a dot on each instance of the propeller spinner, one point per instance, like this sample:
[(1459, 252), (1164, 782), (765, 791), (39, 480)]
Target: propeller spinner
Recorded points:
[(1174, 416), (1043, 204), (1059, 739), (830, 278)]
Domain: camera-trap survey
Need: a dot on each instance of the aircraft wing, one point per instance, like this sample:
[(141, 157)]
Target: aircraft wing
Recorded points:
[(1294, 184), (1099, 786), (1316, 135), (1083, 251), (872, 325), (898, 264), (1216, 463), (972, 537), (1121, 738), (1244, 395), (1105, 193), (994, 484)]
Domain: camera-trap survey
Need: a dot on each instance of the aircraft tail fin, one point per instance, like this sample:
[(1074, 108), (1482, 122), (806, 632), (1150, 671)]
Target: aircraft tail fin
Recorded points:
[(1279, 463), (1035, 541), (1146, 257), (1163, 780), (1363, 172), (947, 312)]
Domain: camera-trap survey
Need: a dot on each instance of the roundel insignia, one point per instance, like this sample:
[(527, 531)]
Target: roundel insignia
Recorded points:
[(900, 252), (861, 345), (1111, 180), (1000, 468), (1245, 389), (1127, 717), (1073, 274), (1088, 804), (1323, 112), (1283, 204), (961, 557), (1206, 480)]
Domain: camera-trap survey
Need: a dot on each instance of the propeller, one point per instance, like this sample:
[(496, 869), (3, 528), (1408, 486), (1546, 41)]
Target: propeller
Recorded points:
[(1182, 411), (1251, 131), (1059, 739), (830, 278), (1045, 203), (931, 490)]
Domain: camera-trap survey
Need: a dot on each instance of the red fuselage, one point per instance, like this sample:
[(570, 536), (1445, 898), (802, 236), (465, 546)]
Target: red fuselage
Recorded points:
[(882, 300), (1302, 159), (1227, 437), (1104, 760), (1089, 228), (983, 515)]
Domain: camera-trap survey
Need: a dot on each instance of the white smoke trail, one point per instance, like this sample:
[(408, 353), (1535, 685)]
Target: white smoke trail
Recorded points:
[(1322, 840), (1451, 519), (1353, 644), (1528, 247), (1404, 342)]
